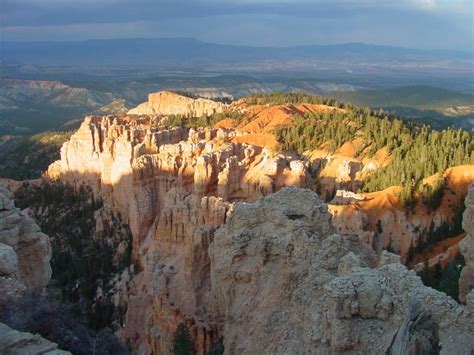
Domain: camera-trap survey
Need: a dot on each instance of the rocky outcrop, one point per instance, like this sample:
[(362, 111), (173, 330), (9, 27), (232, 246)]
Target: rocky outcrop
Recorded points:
[(13, 342), (24, 263), (285, 283), (25, 252), (340, 171), (174, 187), (466, 281), (170, 103)]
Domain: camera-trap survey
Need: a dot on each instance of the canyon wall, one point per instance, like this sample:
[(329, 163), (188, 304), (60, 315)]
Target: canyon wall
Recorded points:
[(270, 276), (175, 188)]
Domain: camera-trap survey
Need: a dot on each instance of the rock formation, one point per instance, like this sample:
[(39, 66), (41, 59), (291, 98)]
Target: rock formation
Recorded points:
[(170, 103), (25, 252), (466, 281), (418, 333), (285, 283), (174, 187), (204, 261), (382, 221), (24, 263)]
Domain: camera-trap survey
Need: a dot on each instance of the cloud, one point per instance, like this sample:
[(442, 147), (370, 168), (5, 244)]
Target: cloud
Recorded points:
[(50, 12), (432, 23)]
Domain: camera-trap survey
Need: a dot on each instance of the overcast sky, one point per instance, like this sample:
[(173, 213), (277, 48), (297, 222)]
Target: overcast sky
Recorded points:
[(443, 24)]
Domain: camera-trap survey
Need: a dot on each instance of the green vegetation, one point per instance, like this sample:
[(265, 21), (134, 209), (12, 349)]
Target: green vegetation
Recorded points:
[(295, 98), (84, 258), (203, 121), (218, 348), (182, 342), (432, 194), (311, 131), (445, 280), (416, 151), (191, 95), (445, 231), (28, 157), (42, 312)]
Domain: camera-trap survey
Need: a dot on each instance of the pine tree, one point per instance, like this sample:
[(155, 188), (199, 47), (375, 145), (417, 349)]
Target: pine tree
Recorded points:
[(182, 342)]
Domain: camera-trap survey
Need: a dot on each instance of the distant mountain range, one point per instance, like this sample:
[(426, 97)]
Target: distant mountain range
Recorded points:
[(189, 51)]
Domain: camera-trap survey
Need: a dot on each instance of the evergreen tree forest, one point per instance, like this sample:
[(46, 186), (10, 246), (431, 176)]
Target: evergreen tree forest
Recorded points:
[(445, 280), (292, 98), (83, 258), (203, 121), (416, 151)]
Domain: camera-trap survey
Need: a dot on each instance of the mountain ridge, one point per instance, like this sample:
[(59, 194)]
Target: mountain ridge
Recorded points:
[(142, 50)]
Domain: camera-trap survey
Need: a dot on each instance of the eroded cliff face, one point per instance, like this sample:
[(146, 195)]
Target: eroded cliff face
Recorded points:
[(25, 252), (170, 103), (466, 281), (175, 188), (286, 283)]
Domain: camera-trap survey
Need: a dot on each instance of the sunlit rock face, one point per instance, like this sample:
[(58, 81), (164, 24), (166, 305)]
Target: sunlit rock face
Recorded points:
[(170, 103), (284, 283), (381, 220), (25, 252), (175, 187)]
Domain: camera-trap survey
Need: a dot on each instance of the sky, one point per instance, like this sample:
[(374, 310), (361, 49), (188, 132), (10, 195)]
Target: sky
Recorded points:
[(427, 24)]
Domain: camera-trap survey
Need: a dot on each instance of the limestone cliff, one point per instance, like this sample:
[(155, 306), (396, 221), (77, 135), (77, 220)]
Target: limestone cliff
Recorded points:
[(25, 252), (466, 282), (285, 283), (170, 103)]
